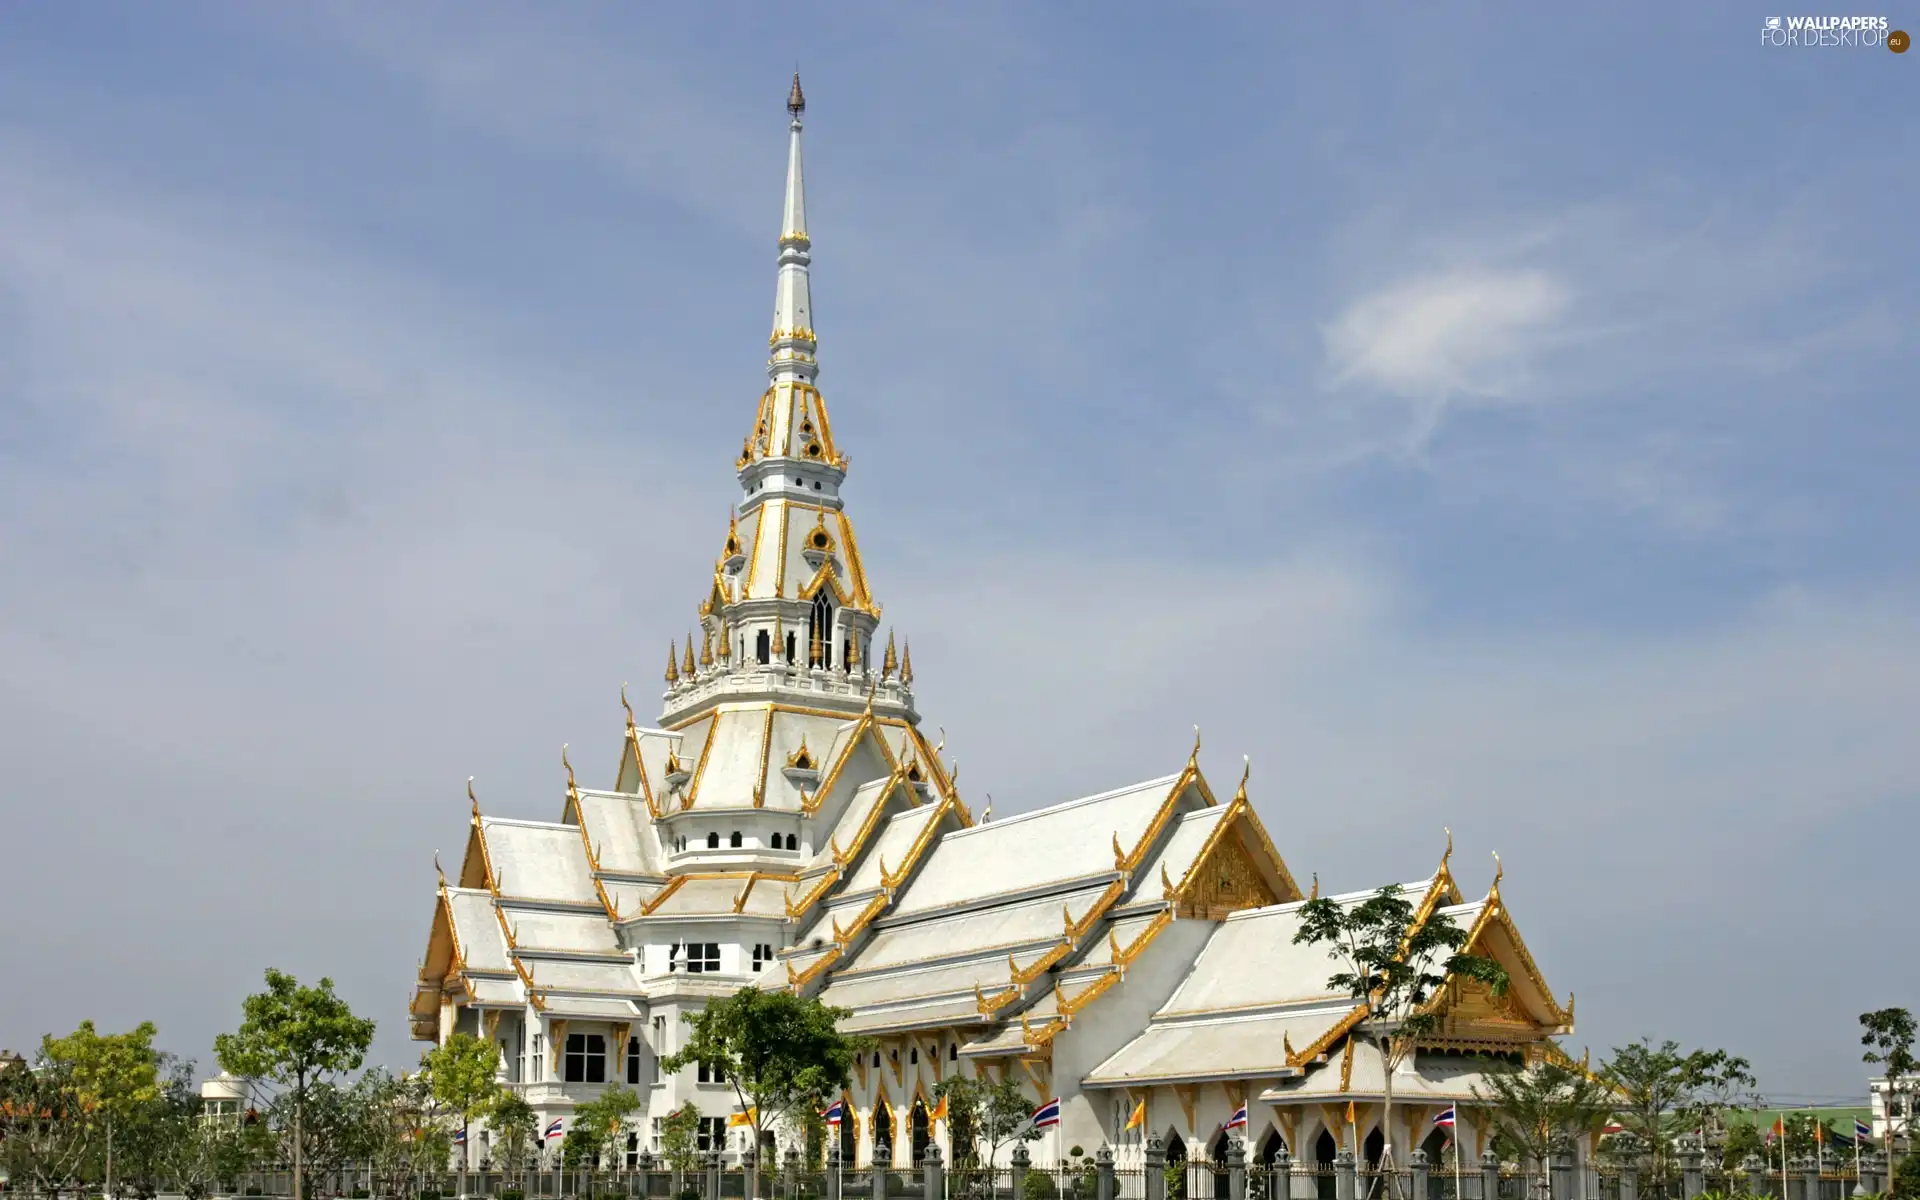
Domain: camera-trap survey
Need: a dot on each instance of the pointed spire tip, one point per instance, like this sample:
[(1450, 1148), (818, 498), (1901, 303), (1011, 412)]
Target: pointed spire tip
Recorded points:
[(796, 99)]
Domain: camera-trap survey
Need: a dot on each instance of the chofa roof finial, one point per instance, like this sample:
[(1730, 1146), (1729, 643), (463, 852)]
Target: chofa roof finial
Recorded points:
[(1448, 830), (473, 799), (625, 705), (796, 99)]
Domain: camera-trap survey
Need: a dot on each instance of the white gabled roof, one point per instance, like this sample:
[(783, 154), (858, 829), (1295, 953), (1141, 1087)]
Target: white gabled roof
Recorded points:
[(1172, 1051), (477, 931), (538, 860), (1059, 844)]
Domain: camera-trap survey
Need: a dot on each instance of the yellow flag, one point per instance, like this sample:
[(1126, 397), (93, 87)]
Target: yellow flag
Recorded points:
[(1139, 1117), (939, 1112), (1349, 1112), (742, 1118)]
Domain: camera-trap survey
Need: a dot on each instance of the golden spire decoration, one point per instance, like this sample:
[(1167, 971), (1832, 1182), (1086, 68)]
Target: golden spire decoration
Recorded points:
[(891, 662), (721, 649), (733, 532), (673, 667), (706, 648), (906, 662), (1316, 886), (686, 667), (779, 653), (853, 652)]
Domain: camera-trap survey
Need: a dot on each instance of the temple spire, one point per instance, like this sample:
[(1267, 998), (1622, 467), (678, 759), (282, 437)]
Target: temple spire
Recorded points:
[(792, 340)]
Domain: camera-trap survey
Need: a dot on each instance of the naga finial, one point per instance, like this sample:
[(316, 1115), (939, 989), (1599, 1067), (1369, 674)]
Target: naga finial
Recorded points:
[(1499, 871), (473, 799), (1246, 772), (571, 789), (1316, 887), (1193, 760), (1449, 853), (437, 871), (1119, 855), (625, 705)]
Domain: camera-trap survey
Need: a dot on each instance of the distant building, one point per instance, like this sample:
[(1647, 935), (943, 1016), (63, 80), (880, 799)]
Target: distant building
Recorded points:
[(1892, 1107), (223, 1097)]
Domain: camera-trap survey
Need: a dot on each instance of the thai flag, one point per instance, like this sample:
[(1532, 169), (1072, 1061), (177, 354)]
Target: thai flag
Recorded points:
[(1445, 1119), (460, 1137), (834, 1112), (1862, 1132), (1239, 1118), (1612, 1127), (1047, 1115), (557, 1130)]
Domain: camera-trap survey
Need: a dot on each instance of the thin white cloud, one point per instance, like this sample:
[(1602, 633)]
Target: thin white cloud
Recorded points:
[(1467, 333)]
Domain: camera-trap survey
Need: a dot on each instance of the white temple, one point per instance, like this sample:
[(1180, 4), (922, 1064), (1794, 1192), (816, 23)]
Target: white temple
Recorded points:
[(787, 824)]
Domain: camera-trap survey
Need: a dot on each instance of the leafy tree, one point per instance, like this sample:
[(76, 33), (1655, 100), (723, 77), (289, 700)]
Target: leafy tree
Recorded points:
[(401, 1129), (680, 1139), (781, 1052), (1396, 967), (112, 1077), (1663, 1091), (463, 1072), (298, 1037), (516, 1129), (1888, 1033), (330, 1128), (985, 1116), (1534, 1110), (43, 1131), (602, 1124)]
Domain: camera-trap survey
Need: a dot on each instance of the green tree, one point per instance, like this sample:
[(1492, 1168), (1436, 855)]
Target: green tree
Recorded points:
[(1663, 1091), (516, 1129), (44, 1133), (297, 1037), (602, 1124), (779, 1051), (402, 1133), (464, 1074), (112, 1076), (1888, 1033), (680, 1139), (983, 1118), (1534, 1110), (1395, 966)]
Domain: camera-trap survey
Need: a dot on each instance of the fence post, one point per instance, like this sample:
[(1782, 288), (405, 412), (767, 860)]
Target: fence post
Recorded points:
[(1236, 1169), (1103, 1179), (713, 1175), (643, 1171), (1560, 1175), (1021, 1161), (1693, 1174), (793, 1171), (1280, 1176), (882, 1159), (1417, 1171), (833, 1168), (931, 1187), (1630, 1179), (1490, 1177), (1810, 1178), (1877, 1165), (1343, 1175), (1154, 1157)]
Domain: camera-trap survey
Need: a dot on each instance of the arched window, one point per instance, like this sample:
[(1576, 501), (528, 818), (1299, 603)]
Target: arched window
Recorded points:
[(763, 646), (789, 649), (913, 1055), (953, 1052), (734, 841), (820, 630), (713, 841)]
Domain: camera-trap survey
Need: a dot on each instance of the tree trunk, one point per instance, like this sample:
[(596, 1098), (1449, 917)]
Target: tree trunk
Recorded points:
[(299, 1135), (1386, 1119), (108, 1188)]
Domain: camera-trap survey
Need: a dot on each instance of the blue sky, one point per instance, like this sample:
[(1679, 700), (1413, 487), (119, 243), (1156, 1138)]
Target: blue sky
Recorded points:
[(1496, 419)]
